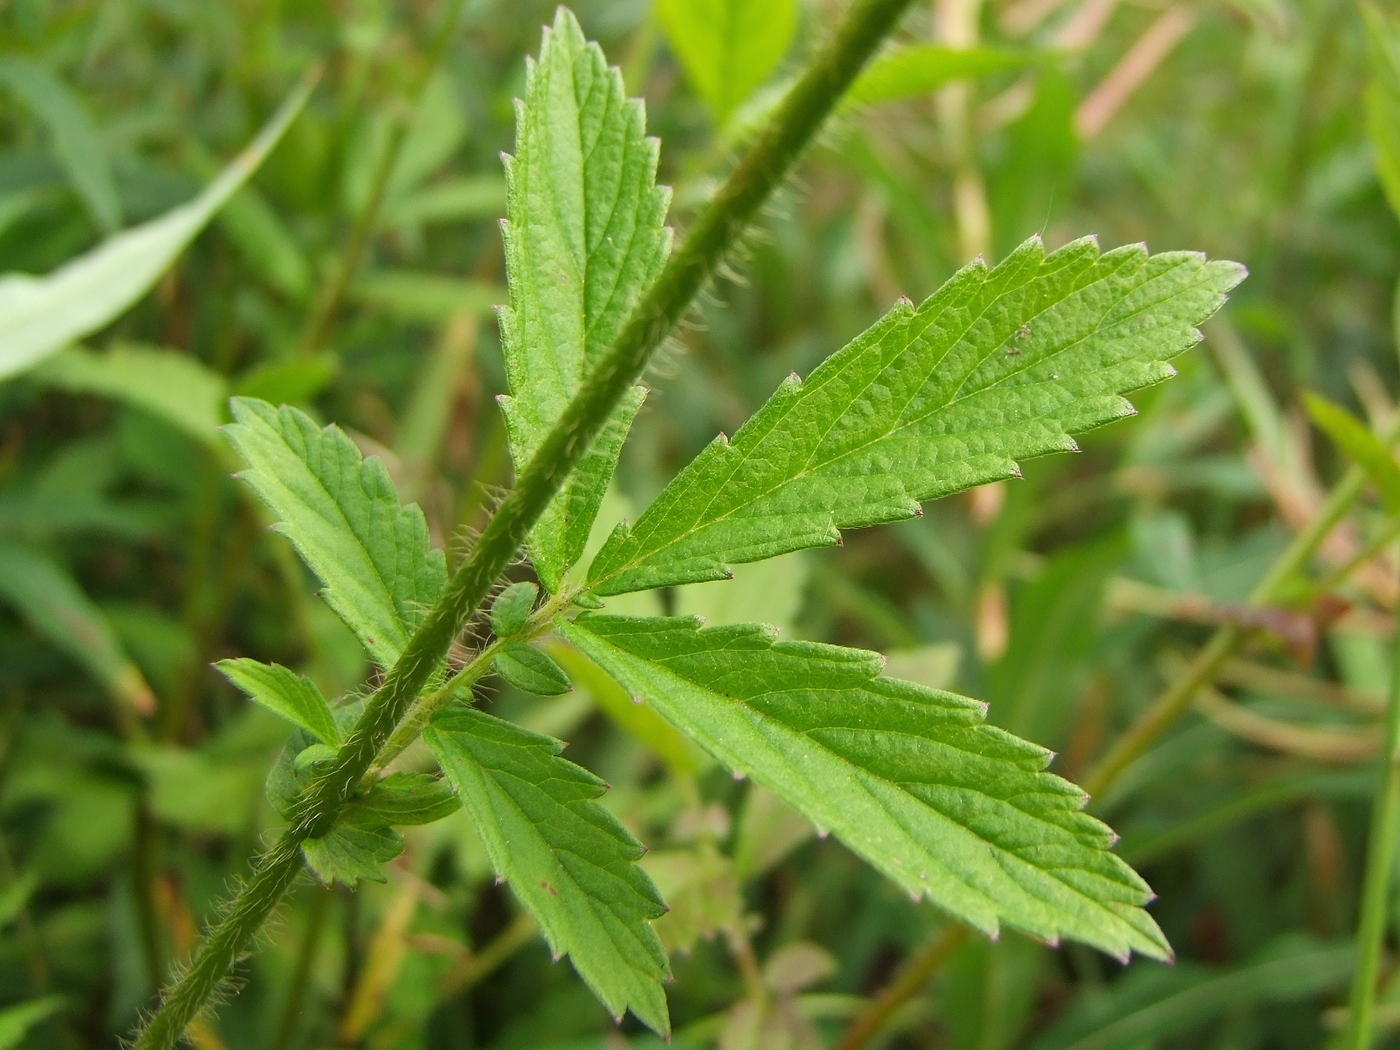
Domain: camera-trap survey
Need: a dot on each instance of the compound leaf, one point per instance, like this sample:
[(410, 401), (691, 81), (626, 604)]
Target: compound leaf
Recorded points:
[(343, 516), (910, 778), (570, 862), (728, 47), (286, 693), (583, 239), (998, 364)]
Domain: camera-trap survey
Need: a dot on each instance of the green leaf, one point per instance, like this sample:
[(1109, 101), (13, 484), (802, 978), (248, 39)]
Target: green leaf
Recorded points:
[(17, 1020), (453, 200), (75, 141), (39, 315), (909, 778), (267, 246), (179, 388), (1358, 444), (583, 240), (356, 848), (512, 607), (409, 798), (531, 670), (343, 516), (288, 382), (48, 597), (728, 47), (917, 70), (569, 860), (421, 296), (286, 693), (1383, 98), (998, 364)]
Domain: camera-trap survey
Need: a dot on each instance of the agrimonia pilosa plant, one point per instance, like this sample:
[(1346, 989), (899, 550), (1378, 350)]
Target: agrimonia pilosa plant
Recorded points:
[(1000, 364)]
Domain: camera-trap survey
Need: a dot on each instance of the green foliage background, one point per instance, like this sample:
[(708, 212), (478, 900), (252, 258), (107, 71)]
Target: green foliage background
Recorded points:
[(132, 774)]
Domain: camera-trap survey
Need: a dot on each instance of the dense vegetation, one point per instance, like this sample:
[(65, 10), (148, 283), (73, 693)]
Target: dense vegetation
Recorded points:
[(1196, 611)]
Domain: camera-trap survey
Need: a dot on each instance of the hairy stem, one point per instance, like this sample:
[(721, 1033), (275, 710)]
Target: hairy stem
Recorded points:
[(1375, 890), (765, 166)]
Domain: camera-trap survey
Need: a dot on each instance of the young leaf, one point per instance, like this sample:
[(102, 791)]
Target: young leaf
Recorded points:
[(909, 778), (1359, 445), (583, 240), (570, 862), (531, 670), (511, 609), (341, 513), (409, 798), (998, 364), (286, 693), (728, 47), (75, 140), (39, 315), (356, 848)]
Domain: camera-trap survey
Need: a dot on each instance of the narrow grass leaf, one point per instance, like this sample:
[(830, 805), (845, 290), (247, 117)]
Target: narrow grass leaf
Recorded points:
[(1383, 98), (583, 239), (54, 105), (570, 861), (999, 364), (1355, 440), (728, 47), (950, 808), (908, 72), (340, 511), (39, 315)]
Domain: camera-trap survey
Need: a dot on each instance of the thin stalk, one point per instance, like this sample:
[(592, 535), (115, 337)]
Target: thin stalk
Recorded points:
[(765, 166), (291, 1021), (329, 303), (1375, 891), (1176, 698), (909, 983)]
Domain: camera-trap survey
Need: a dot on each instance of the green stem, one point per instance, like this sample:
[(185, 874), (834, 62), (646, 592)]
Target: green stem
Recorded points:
[(1375, 890), (329, 303), (1173, 701), (767, 163), (909, 983)]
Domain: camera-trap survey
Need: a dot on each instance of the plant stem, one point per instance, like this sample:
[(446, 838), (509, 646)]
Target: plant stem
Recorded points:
[(764, 167), (910, 981), (329, 303), (1173, 701), (1375, 890)]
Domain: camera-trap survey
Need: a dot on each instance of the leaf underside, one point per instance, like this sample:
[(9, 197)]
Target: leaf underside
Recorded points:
[(571, 863), (583, 239), (340, 511), (999, 364), (910, 778)]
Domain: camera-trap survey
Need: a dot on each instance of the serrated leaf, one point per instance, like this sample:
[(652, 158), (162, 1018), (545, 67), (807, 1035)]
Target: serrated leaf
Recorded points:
[(1359, 445), (583, 239), (356, 848), (39, 315), (997, 365), (531, 670), (728, 47), (343, 516), (285, 693), (910, 778), (178, 388), (570, 861)]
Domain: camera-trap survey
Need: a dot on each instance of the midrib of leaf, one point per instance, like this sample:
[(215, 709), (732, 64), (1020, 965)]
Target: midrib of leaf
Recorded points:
[(934, 835), (954, 294)]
